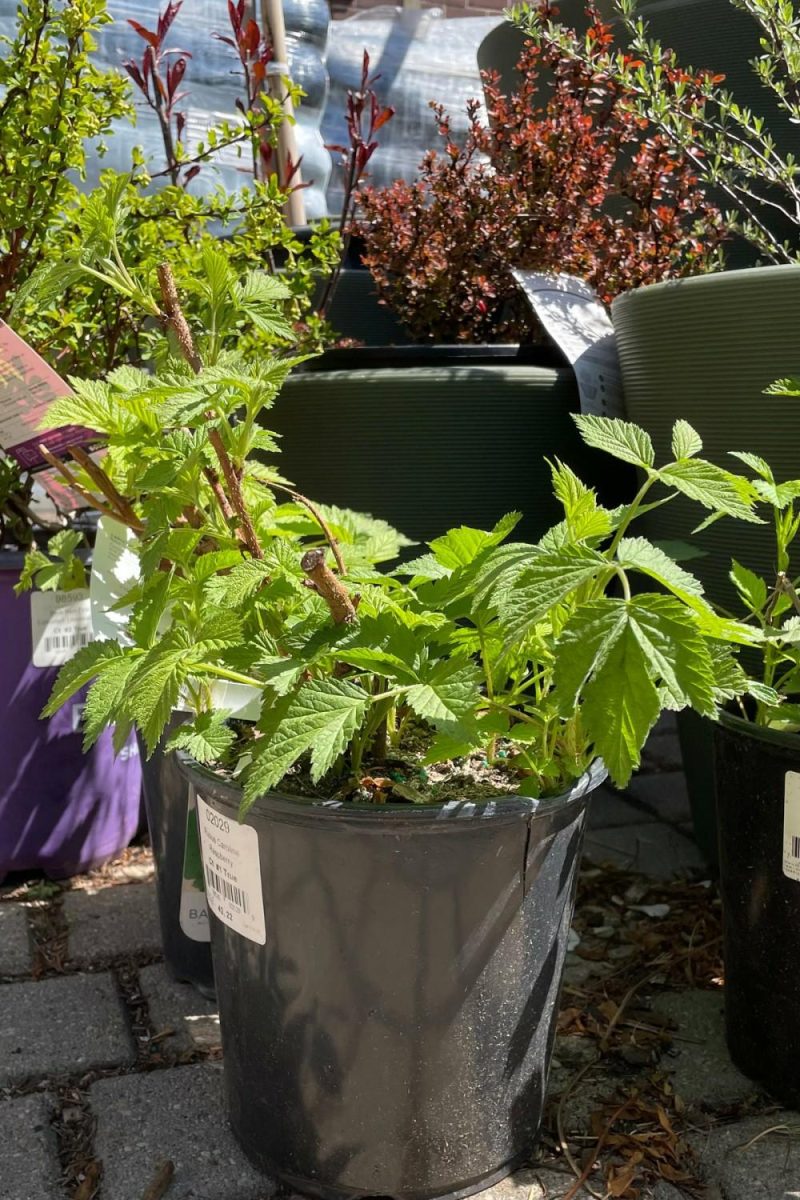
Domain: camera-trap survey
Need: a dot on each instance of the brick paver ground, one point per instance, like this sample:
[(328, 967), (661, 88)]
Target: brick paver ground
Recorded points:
[(113, 1068)]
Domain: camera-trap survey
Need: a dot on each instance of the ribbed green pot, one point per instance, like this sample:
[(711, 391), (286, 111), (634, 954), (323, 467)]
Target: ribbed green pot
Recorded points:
[(705, 349), (430, 447)]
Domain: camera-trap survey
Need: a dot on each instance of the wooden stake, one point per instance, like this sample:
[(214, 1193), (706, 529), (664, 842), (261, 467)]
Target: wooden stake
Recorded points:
[(272, 20)]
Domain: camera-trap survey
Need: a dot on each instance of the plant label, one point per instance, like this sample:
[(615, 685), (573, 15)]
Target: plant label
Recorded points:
[(232, 870), (791, 826), (27, 387), (115, 570), (194, 906), (579, 325), (61, 623)]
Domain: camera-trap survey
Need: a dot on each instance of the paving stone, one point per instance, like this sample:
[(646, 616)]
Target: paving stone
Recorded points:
[(29, 1167), (768, 1169), (665, 794), (113, 922), (608, 808), (15, 946), (657, 850), (61, 1025), (662, 751), (179, 1115), (181, 1008), (702, 1072)]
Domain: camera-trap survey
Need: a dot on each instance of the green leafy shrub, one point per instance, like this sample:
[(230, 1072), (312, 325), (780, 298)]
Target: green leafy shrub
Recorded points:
[(530, 660), (52, 100), (731, 149)]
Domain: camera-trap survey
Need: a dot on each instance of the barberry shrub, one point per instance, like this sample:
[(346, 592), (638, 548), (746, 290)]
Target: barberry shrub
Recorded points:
[(564, 176)]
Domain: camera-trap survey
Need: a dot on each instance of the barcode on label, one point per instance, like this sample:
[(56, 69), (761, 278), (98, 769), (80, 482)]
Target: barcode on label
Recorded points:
[(222, 887), (66, 641), (796, 846)]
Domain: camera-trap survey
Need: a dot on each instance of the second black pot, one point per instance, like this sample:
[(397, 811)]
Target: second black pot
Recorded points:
[(757, 774), (388, 1016), (183, 918)]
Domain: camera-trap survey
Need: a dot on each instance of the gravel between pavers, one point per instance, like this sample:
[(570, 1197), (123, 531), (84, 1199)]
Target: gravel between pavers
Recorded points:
[(61, 1026), (179, 1115), (15, 945), (113, 922), (29, 1167)]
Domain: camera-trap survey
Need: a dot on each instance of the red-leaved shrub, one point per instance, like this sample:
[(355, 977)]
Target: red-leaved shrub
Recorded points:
[(564, 177)]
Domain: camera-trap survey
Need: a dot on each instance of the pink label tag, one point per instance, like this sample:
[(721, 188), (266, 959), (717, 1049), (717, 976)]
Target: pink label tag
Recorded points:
[(27, 388)]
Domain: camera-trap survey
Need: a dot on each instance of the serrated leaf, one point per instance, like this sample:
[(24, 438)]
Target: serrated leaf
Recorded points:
[(641, 555), (677, 656), (751, 588), (446, 694), (239, 584), (321, 718), (149, 609), (154, 687), (460, 547), (548, 580), (497, 572), (622, 439), (104, 697), (756, 463), (80, 670), (621, 705), (686, 441), (207, 738), (779, 495), (712, 487)]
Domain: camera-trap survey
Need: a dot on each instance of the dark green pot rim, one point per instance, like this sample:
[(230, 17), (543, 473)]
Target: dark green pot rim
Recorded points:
[(714, 282), (760, 733)]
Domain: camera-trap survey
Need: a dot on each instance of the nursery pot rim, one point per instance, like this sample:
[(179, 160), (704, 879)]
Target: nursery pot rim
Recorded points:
[(411, 355), (759, 733), (307, 809), (712, 279)]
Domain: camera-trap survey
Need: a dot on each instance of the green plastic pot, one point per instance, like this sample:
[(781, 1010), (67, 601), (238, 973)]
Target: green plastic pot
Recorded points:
[(428, 438), (705, 349)]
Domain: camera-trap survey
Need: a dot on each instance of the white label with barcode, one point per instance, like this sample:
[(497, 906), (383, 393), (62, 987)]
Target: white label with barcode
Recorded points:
[(61, 623), (791, 825), (232, 871)]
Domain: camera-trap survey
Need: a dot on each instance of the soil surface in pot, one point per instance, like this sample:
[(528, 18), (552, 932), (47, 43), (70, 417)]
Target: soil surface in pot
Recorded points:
[(404, 777)]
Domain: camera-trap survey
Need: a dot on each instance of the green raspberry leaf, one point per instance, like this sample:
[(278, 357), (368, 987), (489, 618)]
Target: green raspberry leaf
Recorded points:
[(686, 442), (622, 439)]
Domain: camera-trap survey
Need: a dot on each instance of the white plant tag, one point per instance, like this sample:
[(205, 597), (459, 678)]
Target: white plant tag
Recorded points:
[(791, 826), (577, 322), (115, 570), (194, 907), (61, 623), (232, 872)]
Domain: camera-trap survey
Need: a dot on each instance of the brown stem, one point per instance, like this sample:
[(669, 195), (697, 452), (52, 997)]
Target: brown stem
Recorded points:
[(322, 579), (318, 517), (212, 479), (248, 533), (237, 505), (104, 484), (65, 473), (176, 319)]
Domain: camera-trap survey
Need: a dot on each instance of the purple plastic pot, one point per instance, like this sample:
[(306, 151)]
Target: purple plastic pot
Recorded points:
[(60, 811)]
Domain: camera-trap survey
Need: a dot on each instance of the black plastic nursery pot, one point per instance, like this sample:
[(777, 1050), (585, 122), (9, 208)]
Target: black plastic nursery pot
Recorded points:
[(430, 437), (182, 910), (758, 812), (388, 982)]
